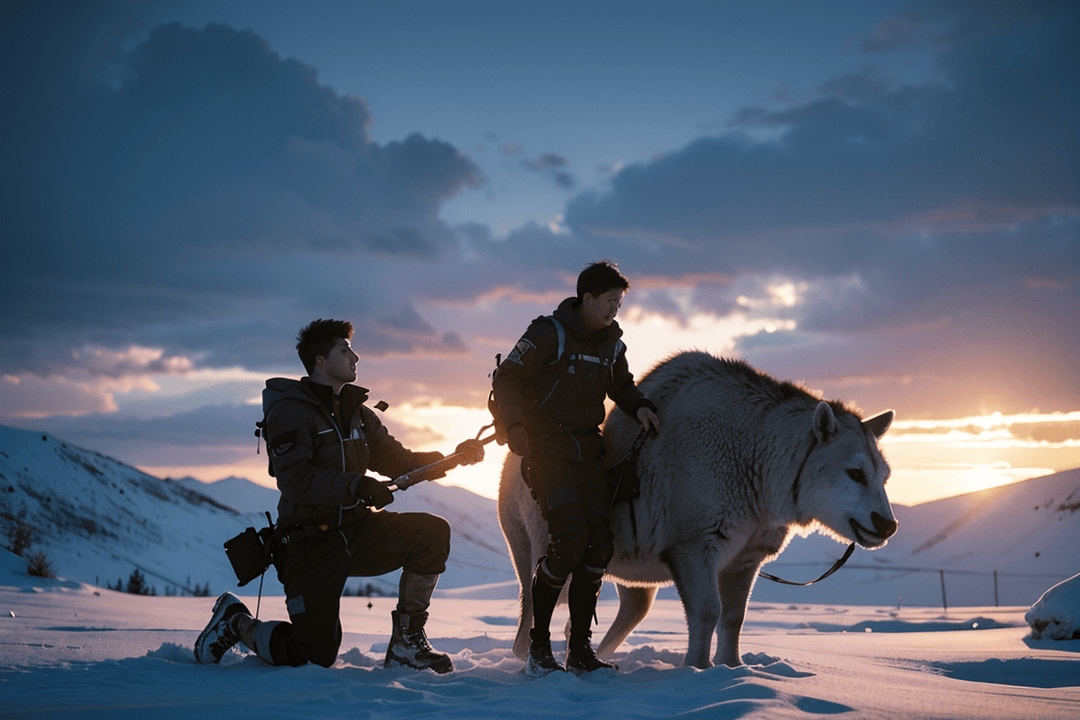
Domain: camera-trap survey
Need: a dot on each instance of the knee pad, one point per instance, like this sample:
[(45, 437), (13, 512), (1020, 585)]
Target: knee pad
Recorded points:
[(598, 554), (568, 545), (544, 576)]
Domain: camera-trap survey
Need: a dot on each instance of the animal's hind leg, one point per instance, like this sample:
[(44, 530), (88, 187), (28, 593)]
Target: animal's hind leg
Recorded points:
[(734, 587), (521, 552), (634, 605)]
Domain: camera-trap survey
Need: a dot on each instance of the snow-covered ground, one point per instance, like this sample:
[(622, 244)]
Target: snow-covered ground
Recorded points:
[(70, 650)]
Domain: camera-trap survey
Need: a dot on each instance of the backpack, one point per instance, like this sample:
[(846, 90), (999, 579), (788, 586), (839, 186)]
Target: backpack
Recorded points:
[(497, 422)]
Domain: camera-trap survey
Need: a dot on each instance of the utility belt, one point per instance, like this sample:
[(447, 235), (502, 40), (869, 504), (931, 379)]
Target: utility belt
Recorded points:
[(285, 538), (253, 551)]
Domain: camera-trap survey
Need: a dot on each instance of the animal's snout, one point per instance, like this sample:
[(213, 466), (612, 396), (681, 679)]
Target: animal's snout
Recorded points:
[(883, 530), (884, 527)]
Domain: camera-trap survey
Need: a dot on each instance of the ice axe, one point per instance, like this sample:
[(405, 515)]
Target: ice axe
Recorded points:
[(404, 482)]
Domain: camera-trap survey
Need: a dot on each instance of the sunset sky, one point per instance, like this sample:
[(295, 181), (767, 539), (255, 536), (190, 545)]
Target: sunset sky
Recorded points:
[(880, 200)]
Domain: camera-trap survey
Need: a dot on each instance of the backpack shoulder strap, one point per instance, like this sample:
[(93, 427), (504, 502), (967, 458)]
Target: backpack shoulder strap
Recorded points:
[(560, 334)]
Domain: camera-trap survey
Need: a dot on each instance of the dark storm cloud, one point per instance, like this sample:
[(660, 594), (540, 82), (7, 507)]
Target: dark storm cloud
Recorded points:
[(932, 230), (872, 175), (197, 177), (406, 331)]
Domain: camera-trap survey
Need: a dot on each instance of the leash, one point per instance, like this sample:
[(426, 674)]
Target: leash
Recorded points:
[(836, 566)]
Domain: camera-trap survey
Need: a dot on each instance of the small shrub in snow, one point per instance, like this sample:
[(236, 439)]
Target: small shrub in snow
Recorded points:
[(38, 565)]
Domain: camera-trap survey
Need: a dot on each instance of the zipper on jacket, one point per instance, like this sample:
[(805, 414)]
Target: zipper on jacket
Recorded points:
[(548, 396), (341, 508)]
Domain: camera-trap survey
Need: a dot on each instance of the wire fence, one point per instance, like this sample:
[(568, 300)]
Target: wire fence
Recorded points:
[(940, 572)]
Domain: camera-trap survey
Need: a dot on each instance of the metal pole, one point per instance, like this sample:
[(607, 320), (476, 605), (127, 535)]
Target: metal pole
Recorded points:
[(944, 602), (995, 590)]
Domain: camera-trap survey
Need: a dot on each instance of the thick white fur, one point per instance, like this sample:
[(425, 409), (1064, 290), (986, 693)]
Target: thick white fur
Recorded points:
[(718, 496)]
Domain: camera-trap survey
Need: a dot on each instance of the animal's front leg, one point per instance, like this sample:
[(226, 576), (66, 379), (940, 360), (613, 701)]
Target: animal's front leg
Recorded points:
[(694, 572), (735, 586)]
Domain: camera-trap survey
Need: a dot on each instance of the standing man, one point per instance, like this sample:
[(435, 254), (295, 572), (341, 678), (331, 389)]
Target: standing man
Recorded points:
[(322, 440), (550, 393)]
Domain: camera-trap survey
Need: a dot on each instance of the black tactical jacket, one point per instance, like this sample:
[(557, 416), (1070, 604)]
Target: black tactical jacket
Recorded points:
[(316, 459), (555, 384)]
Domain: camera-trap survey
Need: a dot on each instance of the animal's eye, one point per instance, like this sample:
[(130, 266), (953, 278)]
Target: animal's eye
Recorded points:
[(857, 475)]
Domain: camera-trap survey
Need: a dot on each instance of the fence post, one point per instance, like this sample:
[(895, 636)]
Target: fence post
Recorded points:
[(944, 602), (995, 590)]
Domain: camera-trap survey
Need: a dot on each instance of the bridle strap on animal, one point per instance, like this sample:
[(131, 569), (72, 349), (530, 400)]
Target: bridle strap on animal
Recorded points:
[(795, 495), (836, 566)]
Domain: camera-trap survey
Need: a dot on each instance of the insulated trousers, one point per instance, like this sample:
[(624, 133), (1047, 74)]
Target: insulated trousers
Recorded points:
[(314, 572), (574, 500)]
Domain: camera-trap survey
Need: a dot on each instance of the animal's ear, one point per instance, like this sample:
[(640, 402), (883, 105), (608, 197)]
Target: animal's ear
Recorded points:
[(879, 423), (824, 422)]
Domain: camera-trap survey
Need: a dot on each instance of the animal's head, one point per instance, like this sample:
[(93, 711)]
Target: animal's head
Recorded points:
[(842, 484)]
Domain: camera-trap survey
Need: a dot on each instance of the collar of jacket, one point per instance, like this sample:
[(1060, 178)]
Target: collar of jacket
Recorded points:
[(566, 315), (352, 396)]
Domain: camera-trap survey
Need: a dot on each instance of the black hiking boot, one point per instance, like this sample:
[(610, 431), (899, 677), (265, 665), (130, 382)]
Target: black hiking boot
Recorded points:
[(220, 633), (409, 645), (581, 659), (541, 660)]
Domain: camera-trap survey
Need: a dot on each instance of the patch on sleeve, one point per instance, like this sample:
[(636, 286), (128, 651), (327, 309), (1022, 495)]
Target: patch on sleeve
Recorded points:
[(295, 606), (282, 444), (524, 345)]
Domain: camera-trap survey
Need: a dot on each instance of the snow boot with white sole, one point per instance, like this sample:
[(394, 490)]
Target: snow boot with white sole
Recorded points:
[(220, 633)]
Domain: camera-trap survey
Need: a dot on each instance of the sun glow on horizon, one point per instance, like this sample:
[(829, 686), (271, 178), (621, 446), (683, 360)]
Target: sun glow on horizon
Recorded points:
[(651, 338), (938, 458)]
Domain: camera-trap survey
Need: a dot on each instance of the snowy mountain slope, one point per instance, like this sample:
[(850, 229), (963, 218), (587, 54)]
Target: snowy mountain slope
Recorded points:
[(240, 494), (98, 520), (1028, 520)]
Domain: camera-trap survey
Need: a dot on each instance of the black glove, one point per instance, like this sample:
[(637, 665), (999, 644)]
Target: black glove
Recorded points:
[(517, 440), (472, 452), (371, 492)]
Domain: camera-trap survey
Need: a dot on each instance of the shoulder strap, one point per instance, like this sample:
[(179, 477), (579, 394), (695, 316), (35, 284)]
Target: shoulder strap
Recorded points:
[(560, 333)]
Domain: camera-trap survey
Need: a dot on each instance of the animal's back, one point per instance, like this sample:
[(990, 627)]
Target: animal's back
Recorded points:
[(689, 374)]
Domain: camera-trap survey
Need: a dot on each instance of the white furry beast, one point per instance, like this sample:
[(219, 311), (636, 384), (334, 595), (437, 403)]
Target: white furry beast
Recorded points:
[(741, 463)]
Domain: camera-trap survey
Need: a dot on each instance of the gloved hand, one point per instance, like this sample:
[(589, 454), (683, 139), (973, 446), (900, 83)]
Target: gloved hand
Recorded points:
[(517, 440), (371, 492), (472, 452)]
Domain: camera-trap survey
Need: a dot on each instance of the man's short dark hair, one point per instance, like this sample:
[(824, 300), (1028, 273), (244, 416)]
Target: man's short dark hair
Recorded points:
[(319, 338), (598, 278)]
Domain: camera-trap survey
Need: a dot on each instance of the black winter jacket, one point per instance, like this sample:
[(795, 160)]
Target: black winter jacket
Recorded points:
[(318, 463), (560, 398)]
